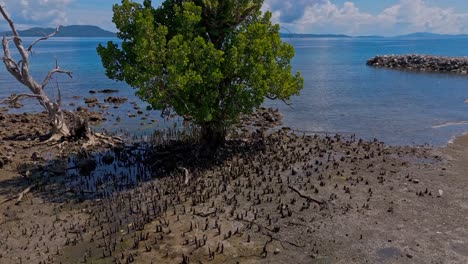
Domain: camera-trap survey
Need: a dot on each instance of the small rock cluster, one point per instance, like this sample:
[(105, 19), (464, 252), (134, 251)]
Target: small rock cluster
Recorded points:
[(428, 63), (263, 117)]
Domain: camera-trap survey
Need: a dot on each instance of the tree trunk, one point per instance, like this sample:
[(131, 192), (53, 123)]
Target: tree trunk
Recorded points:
[(56, 118), (213, 135)]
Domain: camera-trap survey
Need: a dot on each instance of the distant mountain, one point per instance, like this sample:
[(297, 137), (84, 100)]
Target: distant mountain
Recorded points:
[(87, 31), (295, 35), (418, 35), (79, 31), (426, 35), (370, 36)]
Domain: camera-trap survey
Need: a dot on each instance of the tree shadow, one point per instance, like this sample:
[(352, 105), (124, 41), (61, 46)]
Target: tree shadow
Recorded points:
[(99, 175)]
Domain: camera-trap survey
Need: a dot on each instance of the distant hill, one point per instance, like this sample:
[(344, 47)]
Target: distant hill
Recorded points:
[(87, 31), (417, 35), (425, 35), (294, 35), (79, 31)]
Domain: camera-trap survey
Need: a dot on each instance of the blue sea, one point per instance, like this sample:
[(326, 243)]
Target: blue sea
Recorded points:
[(341, 93)]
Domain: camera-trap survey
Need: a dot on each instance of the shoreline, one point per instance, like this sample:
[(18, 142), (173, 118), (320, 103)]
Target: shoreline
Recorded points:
[(266, 197)]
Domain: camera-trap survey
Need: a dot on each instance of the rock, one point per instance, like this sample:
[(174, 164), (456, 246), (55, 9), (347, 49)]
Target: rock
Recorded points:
[(268, 117), (422, 63), (81, 109), (94, 118), (91, 100), (15, 105), (415, 181), (105, 91), (277, 251), (440, 193), (2, 163), (109, 91), (35, 156), (116, 100)]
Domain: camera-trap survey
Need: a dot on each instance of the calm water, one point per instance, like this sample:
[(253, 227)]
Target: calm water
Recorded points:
[(341, 94)]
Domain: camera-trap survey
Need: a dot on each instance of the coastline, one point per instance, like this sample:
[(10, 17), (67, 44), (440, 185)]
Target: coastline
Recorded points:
[(316, 198)]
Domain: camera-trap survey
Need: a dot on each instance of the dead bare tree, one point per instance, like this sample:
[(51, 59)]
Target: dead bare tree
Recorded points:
[(20, 70)]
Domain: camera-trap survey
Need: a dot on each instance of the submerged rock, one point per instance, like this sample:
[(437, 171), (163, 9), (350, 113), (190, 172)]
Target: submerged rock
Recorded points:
[(105, 91), (85, 167), (116, 100), (91, 100)]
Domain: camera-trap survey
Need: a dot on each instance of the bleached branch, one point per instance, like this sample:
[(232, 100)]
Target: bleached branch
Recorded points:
[(15, 97), (52, 72), (57, 29), (16, 39)]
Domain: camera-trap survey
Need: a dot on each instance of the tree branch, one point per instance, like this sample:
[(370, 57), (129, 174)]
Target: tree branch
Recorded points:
[(287, 103), (57, 29), (14, 98), (9, 20), (59, 99), (52, 72), (17, 40), (275, 97)]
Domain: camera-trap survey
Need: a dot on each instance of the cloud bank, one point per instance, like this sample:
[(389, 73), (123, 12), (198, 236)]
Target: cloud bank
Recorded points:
[(407, 16), (32, 13), (301, 16)]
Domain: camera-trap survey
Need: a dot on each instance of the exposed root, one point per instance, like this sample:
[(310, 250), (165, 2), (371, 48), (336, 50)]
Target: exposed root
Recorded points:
[(99, 139), (55, 137), (308, 198)]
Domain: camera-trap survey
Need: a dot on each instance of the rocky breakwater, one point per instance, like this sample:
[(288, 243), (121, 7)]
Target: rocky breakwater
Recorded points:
[(427, 63)]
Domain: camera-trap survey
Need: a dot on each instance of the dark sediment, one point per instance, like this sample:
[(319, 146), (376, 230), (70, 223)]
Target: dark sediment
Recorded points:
[(422, 63)]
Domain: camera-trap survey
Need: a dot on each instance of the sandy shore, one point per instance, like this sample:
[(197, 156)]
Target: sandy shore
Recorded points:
[(276, 198)]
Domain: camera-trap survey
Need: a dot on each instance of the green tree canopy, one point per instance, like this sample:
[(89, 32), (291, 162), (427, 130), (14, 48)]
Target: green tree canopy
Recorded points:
[(212, 60)]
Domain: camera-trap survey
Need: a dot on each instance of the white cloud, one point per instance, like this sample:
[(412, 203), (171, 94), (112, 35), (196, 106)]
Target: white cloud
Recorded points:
[(306, 16), (27, 13), (323, 16)]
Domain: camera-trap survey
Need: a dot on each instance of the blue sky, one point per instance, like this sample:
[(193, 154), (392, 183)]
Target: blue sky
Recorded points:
[(353, 17)]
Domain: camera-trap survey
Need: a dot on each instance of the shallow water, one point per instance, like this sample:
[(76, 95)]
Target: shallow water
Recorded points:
[(341, 93)]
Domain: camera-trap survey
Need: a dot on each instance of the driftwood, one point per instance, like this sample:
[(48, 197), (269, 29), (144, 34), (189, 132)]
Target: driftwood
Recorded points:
[(19, 197), (21, 71), (308, 198)]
